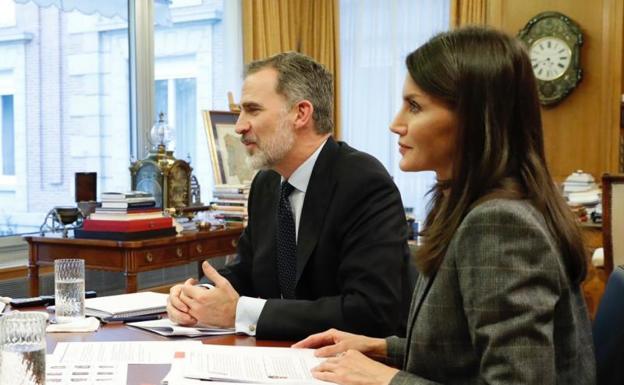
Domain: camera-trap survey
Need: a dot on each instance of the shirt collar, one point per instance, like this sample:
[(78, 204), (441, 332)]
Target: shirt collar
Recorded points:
[(301, 177)]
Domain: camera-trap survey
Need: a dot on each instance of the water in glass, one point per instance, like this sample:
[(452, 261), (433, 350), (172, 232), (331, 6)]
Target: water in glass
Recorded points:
[(69, 299), (22, 364), (22, 348), (69, 289)]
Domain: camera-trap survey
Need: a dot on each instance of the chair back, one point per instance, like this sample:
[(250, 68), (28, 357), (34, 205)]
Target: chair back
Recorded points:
[(608, 331), (613, 220)]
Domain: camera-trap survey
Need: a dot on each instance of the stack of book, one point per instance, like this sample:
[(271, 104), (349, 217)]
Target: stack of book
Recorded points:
[(230, 203), (125, 217), (582, 194)]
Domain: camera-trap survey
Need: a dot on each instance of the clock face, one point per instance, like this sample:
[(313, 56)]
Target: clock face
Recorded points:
[(149, 179), (554, 44), (550, 58)]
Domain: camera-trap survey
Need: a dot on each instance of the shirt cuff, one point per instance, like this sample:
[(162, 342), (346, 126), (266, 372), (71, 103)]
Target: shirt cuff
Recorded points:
[(248, 312)]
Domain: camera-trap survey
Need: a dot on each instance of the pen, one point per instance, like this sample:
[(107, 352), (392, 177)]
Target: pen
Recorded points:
[(148, 317)]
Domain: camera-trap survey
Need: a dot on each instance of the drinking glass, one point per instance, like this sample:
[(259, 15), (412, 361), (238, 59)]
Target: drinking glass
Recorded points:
[(22, 348), (69, 289)]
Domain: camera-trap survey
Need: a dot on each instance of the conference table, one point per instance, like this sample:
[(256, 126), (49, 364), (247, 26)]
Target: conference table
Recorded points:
[(148, 374)]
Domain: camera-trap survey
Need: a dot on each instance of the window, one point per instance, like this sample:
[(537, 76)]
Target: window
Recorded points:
[(7, 142), (196, 64), (7, 131), (177, 99), (67, 112), (66, 95)]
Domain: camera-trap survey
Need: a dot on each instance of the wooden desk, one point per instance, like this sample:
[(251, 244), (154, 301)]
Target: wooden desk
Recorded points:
[(592, 235), (130, 257), (595, 282), (148, 374)]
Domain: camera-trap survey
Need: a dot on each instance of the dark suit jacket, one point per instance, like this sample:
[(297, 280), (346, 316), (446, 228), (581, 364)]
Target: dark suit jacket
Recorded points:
[(500, 310), (352, 258)]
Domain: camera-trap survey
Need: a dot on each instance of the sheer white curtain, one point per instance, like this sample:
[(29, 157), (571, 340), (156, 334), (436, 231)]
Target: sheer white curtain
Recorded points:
[(106, 8), (375, 38)]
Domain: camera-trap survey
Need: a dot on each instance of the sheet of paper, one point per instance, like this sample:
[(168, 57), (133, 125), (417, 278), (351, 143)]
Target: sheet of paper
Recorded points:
[(251, 364), (112, 373), (129, 352), (167, 328), (176, 376)]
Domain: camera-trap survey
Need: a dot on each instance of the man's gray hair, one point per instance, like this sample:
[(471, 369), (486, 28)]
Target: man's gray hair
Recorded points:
[(299, 77)]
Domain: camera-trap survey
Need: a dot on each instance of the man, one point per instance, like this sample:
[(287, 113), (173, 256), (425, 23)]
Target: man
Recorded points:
[(325, 245)]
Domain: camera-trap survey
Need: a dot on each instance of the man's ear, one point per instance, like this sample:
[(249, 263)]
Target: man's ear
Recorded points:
[(304, 110)]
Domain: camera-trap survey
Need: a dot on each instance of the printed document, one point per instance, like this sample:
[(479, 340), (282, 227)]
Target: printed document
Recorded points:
[(251, 364), (167, 328), (130, 352), (86, 373)]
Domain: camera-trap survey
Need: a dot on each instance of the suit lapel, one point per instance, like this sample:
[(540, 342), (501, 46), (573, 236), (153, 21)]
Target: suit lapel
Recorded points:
[(266, 247), (317, 198)]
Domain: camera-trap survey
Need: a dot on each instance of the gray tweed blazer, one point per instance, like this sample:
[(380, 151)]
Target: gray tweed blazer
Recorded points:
[(500, 310)]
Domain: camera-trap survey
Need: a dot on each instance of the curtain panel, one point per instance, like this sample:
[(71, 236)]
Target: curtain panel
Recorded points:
[(465, 12), (309, 27), (375, 38)]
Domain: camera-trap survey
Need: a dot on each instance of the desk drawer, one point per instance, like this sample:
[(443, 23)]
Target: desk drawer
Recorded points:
[(162, 256), (213, 247)]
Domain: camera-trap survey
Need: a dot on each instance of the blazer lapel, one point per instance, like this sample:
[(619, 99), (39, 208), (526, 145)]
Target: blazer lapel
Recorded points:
[(423, 284), (317, 198)]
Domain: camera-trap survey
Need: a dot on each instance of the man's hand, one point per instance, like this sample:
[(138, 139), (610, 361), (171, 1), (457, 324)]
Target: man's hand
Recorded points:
[(214, 307), (176, 309), (332, 342)]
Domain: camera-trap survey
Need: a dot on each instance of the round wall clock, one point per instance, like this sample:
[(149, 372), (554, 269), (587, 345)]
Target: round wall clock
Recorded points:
[(554, 42)]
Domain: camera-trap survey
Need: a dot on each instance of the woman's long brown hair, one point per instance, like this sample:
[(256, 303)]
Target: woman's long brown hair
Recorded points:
[(486, 78)]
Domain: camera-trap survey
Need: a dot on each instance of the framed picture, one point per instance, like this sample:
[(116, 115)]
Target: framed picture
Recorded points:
[(228, 154)]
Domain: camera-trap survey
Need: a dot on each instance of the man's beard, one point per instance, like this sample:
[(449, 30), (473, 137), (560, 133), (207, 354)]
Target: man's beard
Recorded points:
[(273, 148)]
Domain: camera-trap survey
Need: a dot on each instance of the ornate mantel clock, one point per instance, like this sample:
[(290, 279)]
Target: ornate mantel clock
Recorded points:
[(160, 173)]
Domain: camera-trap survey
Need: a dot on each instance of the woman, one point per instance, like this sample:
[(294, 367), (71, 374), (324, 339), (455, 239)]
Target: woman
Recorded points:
[(498, 300)]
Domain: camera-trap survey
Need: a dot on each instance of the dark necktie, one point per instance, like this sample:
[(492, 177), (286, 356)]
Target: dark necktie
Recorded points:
[(286, 244)]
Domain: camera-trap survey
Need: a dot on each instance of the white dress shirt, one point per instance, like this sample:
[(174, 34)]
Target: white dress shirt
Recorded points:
[(248, 309)]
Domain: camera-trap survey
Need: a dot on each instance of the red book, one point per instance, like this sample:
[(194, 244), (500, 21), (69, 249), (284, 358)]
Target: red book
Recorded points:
[(127, 226)]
